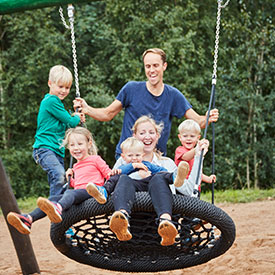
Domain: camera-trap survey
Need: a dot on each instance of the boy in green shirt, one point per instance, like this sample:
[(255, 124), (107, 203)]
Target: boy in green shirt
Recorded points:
[(52, 122)]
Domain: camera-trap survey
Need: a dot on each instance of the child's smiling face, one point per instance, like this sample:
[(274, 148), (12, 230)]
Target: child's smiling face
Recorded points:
[(79, 146), (59, 89), (189, 139)]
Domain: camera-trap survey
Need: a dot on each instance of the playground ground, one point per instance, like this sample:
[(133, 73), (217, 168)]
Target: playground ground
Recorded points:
[(253, 251)]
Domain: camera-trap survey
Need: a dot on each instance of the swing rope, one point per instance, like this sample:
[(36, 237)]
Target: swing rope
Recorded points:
[(211, 102), (71, 27), (70, 11)]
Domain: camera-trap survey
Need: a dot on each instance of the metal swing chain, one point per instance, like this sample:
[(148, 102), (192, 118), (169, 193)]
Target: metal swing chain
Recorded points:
[(77, 93), (212, 97), (220, 6), (71, 27)]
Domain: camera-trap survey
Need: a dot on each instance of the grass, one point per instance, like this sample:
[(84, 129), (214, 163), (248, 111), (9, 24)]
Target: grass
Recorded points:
[(227, 196), (239, 196)]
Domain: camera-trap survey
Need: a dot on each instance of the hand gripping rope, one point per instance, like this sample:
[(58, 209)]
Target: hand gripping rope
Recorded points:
[(212, 102)]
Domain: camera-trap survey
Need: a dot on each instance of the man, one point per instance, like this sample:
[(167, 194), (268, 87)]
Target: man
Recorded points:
[(153, 97)]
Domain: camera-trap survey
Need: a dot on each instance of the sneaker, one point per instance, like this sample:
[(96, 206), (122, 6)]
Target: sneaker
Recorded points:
[(168, 232), (53, 210), (21, 222), (119, 224), (97, 192), (69, 233), (182, 172)]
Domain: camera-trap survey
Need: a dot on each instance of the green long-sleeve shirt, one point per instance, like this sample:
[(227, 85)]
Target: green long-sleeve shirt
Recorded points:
[(52, 122)]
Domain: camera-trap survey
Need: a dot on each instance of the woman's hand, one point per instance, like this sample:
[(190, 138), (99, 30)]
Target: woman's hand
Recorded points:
[(144, 174)]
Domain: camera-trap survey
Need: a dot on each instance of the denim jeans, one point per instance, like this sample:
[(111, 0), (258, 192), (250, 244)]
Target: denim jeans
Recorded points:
[(157, 186), (53, 164), (38, 214), (72, 197)]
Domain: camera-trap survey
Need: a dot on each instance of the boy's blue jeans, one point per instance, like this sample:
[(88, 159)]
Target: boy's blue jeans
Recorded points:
[(53, 164)]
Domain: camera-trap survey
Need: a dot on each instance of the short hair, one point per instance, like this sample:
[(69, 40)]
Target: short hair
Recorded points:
[(81, 131), (156, 51), (189, 125), (131, 143), (60, 74)]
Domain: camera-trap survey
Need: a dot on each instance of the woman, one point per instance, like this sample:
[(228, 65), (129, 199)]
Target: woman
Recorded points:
[(148, 131)]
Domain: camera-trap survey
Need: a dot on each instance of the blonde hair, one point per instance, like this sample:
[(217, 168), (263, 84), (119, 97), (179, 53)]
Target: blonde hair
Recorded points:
[(81, 131), (156, 51), (158, 127), (60, 74), (131, 143), (189, 125)]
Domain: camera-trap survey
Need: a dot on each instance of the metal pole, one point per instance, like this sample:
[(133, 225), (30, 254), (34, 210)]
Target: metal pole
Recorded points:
[(11, 6), (22, 243)]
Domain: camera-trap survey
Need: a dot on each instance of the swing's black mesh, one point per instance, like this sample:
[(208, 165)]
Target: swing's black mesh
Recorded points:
[(205, 232)]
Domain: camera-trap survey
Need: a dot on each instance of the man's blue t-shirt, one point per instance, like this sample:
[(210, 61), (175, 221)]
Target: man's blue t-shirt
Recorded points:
[(138, 101)]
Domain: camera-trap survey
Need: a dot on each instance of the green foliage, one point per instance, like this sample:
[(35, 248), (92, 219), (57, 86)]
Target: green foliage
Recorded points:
[(26, 178), (110, 39)]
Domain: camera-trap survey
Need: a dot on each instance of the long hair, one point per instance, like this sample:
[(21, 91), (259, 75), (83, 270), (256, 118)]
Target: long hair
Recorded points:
[(81, 131)]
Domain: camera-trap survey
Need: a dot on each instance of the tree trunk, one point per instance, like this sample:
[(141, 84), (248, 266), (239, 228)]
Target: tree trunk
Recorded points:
[(3, 131)]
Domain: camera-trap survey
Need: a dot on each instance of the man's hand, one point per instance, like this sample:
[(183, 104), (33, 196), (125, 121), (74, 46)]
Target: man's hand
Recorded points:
[(214, 115), (81, 105)]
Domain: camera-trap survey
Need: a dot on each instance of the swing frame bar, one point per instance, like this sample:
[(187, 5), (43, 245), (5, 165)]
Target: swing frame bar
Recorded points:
[(11, 6)]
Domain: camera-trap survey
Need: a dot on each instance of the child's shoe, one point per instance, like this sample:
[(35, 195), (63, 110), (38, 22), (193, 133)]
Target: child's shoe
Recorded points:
[(69, 233), (119, 224), (97, 192), (53, 210), (22, 222), (168, 232), (183, 170)]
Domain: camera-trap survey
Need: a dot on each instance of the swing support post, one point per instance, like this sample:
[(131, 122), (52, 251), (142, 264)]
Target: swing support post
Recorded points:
[(22, 243)]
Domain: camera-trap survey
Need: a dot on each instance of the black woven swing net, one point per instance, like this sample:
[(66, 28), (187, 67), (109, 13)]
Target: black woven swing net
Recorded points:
[(205, 232)]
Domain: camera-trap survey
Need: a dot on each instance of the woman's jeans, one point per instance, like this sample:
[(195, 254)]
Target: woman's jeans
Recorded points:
[(157, 186), (53, 164)]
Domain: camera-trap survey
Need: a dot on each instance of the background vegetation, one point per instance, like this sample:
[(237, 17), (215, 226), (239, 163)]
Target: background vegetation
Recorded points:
[(111, 37)]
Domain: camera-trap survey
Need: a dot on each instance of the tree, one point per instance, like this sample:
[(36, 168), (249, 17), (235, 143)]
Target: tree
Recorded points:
[(110, 39)]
